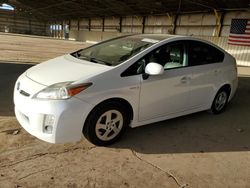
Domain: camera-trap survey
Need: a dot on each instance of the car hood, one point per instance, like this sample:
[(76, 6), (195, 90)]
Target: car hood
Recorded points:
[(63, 69)]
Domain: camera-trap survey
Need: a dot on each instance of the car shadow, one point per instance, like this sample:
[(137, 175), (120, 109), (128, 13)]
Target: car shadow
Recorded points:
[(199, 132), (9, 72)]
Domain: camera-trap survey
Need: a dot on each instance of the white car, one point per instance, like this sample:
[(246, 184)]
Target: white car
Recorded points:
[(127, 81)]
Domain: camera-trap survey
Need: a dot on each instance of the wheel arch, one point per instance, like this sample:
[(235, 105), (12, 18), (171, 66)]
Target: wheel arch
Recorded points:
[(228, 88), (122, 101)]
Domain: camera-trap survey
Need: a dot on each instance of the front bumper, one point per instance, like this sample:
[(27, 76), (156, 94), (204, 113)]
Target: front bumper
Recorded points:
[(69, 117)]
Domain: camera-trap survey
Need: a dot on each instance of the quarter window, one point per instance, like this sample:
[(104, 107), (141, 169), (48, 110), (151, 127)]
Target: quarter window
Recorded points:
[(201, 53)]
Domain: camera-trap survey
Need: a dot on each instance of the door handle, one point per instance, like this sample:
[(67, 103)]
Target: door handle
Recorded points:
[(134, 87)]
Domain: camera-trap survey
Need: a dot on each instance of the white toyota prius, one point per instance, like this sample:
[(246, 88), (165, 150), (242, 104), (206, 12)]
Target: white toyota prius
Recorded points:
[(127, 81)]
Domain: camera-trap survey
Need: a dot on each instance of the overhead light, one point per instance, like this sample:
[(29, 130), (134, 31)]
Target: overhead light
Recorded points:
[(6, 7)]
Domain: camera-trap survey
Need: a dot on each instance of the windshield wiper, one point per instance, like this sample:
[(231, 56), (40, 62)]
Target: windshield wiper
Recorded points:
[(94, 60), (83, 57)]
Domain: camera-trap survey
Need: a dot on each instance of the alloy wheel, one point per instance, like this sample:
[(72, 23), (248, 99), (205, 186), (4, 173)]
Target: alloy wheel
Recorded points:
[(109, 125)]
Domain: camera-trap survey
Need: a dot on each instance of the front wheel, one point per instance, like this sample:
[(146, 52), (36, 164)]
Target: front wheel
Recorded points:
[(106, 124), (220, 101)]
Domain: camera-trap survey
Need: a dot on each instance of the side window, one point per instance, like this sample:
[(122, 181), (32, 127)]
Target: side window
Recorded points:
[(176, 56), (201, 53), (169, 56)]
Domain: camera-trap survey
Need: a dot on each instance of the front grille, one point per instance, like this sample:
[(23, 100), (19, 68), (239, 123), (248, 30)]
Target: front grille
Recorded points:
[(24, 93)]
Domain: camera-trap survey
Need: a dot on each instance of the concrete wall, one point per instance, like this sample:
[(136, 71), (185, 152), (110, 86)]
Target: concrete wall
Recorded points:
[(15, 23)]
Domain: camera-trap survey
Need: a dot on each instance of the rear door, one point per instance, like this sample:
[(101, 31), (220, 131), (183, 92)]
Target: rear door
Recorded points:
[(206, 63)]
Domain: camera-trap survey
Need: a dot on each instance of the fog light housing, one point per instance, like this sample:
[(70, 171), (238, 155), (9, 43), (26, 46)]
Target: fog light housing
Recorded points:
[(48, 123), (48, 129)]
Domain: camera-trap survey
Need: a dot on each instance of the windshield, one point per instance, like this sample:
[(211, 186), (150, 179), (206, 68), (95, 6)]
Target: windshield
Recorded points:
[(115, 51)]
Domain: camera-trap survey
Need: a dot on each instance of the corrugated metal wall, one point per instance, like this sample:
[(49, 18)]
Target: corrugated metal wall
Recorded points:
[(112, 24), (196, 24), (11, 22), (204, 26), (207, 26), (158, 24), (132, 24)]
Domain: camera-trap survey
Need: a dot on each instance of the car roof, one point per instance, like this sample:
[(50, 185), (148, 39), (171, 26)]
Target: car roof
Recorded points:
[(158, 37)]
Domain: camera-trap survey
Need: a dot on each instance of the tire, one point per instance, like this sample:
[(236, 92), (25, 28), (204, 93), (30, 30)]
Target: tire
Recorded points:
[(220, 101), (106, 124)]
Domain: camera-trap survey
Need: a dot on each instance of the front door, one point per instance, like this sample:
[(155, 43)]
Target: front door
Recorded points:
[(169, 93)]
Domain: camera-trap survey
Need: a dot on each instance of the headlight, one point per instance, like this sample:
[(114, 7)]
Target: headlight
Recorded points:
[(62, 90)]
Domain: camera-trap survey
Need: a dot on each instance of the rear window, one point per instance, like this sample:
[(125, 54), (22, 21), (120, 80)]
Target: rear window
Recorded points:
[(201, 53)]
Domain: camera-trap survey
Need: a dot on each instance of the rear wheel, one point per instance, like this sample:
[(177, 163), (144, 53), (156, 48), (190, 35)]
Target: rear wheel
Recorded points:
[(220, 101), (106, 124)]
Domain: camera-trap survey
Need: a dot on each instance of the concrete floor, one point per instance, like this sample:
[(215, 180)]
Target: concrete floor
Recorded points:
[(198, 150)]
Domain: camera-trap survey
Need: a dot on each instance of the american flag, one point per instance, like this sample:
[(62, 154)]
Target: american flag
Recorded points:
[(240, 32)]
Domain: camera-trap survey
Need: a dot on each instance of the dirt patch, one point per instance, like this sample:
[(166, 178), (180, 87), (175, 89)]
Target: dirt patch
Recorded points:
[(34, 49), (28, 162)]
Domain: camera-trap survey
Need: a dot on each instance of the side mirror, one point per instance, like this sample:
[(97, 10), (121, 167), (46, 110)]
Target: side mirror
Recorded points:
[(154, 69)]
